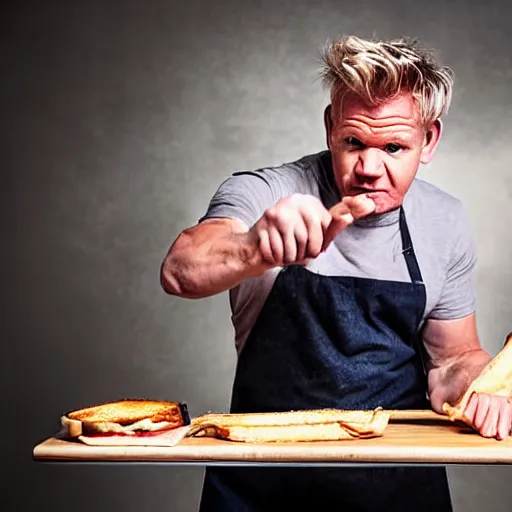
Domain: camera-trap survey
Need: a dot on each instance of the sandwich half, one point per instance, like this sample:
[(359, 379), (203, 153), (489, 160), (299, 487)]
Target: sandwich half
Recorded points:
[(292, 426), (128, 422)]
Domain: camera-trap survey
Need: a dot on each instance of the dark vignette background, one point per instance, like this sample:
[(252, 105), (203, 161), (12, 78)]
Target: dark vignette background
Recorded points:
[(119, 120)]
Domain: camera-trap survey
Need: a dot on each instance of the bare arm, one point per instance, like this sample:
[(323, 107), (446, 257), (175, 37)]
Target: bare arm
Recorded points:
[(209, 258), (217, 254), (455, 358)]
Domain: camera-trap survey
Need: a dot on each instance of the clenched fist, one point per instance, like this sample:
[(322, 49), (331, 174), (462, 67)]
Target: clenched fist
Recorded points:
[(299, 227)]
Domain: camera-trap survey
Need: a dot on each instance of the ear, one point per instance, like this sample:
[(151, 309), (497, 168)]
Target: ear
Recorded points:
[(432, 137), (328, 124)]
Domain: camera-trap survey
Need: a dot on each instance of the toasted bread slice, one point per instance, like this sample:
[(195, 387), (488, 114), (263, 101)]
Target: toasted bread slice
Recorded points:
[(274, 433), (294, 426), (126, 417), (125, 412), (302, 417)]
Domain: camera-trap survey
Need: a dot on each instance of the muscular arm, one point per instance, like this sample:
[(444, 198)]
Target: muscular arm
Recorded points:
[(217, 254), (455, 358), (209, 258)]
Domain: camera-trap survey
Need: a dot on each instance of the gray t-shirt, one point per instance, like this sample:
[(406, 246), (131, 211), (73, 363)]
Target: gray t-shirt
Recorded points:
[(370, 248)]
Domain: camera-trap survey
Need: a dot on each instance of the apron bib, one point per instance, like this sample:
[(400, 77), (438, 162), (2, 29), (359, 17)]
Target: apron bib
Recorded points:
[(341, 342)]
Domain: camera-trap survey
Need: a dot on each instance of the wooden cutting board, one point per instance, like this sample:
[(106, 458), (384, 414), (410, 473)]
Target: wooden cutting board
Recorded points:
[(421, 437)]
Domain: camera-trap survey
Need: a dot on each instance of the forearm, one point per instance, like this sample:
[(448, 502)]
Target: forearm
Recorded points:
[(449, 381), (203, 262)]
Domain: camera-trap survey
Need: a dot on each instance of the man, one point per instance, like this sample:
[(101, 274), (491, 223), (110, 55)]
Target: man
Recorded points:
[(350, 282)]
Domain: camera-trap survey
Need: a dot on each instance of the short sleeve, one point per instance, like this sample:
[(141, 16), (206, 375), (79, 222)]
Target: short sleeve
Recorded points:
[(245, 195), (458, 296)]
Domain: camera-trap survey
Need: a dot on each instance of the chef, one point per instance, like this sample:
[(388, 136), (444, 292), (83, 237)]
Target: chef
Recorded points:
[(350, 282)]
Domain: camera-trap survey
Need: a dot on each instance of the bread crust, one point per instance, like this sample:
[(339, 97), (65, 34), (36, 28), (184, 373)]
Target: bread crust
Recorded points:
[(286, 418), (125, 412), (119, 415)]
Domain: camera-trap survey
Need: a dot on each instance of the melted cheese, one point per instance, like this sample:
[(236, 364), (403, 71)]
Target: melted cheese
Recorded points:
[(145, 424)]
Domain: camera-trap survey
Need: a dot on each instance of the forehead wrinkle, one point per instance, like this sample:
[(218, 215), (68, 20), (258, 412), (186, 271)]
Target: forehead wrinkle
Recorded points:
[(402, 131), (382, 122)]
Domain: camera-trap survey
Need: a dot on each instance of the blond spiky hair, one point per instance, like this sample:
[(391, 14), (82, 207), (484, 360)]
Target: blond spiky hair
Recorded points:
[(377, 71)]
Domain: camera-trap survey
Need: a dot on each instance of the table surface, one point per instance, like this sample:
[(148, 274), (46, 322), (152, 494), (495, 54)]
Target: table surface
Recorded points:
[(438, 442)]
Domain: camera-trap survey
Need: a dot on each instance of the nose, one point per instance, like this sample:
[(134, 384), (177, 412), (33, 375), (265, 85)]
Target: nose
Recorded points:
[(370, 164)]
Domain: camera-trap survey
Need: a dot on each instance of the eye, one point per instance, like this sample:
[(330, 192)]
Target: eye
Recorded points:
[(393, 148), (355, 143)]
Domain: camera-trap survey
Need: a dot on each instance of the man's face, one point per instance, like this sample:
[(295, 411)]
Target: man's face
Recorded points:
[(377, 150)]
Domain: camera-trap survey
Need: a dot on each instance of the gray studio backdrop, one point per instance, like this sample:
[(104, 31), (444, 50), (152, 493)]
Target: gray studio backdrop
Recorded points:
[(120, 119)]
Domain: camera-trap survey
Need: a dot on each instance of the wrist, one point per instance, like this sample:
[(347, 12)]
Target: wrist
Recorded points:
[(449, 382), (251, 259)]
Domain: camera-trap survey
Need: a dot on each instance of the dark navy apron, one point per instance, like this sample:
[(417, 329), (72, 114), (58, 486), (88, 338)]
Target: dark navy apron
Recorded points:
[(342, 342)]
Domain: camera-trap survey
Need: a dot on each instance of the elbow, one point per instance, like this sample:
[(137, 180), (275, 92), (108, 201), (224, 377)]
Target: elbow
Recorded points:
[(182, 272), (176, 279), (173, 268), (169, 280)]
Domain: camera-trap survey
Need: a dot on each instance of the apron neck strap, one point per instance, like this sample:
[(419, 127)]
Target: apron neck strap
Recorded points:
[(408, 250)]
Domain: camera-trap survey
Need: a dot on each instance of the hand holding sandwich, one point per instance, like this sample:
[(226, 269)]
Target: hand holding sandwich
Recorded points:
[(486, 403), (490, 415)]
